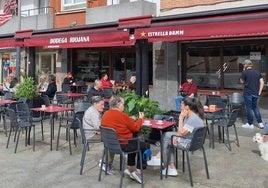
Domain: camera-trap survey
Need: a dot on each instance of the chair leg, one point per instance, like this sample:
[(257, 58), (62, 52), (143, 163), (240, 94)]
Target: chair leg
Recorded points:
[(102, 159), (183, 161), (205, 160), (33, 138), (228, 139), (189, 168), (42, 130), (168, 161), (122, 171), (142, 178), (17, 141), (69, 139), (236, 136), (9, 137), (58, 139), (83, 157)]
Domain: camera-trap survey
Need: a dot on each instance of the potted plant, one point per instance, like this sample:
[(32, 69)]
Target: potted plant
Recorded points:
[(26, 89), (135, 104)]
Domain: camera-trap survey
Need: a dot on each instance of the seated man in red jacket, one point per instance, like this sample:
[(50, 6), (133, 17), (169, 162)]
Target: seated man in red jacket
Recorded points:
[(189, 88)]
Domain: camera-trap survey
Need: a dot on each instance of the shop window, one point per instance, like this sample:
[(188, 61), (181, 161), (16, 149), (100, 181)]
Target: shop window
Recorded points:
[(220, 66), (73, 4)]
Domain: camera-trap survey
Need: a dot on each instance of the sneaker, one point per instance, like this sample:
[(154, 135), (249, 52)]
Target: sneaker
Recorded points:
[(248, 126), (128, 173), (171, 172), (110, 170), (137, 176), (154, 161), (260, 125)]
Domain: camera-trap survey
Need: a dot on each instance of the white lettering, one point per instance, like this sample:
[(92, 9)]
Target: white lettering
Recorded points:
[(165, 33), (79, 39), (58, 40)]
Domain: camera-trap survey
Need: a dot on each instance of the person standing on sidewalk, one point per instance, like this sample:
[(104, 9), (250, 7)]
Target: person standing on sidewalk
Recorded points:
[(253, 85)]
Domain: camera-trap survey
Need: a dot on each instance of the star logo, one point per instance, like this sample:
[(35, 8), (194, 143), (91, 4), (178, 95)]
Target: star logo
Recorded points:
[(143, 35)]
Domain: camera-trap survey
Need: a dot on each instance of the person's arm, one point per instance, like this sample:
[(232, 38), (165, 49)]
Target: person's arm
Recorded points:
[(135, 126), (261, 85)]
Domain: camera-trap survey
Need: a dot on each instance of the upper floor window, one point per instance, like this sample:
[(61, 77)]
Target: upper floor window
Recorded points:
[(73, 4)]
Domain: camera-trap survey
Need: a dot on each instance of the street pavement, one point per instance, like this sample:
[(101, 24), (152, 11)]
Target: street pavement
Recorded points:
[(241, 167)]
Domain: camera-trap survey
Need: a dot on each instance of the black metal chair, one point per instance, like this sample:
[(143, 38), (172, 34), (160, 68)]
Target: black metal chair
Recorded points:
[(112, 144), (196, 143), (225, 123), (237, 102), (21, 120), (75, 124), (213, 117), (86, 142), (8, 96), (37, 117)]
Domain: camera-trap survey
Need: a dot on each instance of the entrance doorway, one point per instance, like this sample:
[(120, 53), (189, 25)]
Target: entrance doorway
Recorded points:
[(45, 63)]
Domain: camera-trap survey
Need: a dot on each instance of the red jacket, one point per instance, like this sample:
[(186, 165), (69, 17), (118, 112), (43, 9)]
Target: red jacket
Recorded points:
[(106, 84), (189, 88), (122, 123)]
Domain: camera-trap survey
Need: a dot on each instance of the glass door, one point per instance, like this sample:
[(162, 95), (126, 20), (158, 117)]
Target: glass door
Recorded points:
[(45, 63)]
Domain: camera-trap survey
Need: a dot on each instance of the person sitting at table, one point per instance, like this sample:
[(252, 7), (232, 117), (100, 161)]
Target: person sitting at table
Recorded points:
[(126, 128), (132, 84), (42, 86), (188, 88), (10, 84), (52, 87), (95, 90), (106, 83), (68, 81), (190, 118)]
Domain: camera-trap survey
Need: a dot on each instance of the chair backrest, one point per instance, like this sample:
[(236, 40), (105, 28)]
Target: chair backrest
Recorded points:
[(211, 99), (23, 112), (107, 92), (237, 98), (8, 96), (82, 106), (198, 139), (65, 88), (163, 117), (22, 99), (77, 120), (233, 116), (110, 140), (60, 99)]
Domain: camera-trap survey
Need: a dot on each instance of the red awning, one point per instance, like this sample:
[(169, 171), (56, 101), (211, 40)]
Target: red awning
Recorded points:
[(81, 39), (10, 43), (23, 34), (213, 28)]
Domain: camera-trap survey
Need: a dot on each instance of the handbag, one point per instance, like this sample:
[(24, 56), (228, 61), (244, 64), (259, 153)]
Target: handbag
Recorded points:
[(184, 93)]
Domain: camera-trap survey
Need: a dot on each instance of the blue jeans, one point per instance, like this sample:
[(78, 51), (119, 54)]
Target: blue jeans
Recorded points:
[(251, 106)]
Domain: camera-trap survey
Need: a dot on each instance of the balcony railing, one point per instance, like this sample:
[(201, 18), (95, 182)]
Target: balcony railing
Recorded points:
[(37, 11)]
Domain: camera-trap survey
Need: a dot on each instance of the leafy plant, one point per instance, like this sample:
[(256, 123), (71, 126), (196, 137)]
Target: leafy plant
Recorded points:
[(135, 104), (26, 89)]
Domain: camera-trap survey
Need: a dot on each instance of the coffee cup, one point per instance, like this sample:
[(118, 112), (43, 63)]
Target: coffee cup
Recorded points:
[(147, 122), (159, 121), (43, 106)]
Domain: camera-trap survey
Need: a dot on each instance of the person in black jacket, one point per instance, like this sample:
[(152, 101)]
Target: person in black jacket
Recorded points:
[(95, 90), (52, 87)]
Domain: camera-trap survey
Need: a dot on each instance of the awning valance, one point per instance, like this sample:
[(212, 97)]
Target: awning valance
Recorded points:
[(23, 34), (10, 43), (81, 39), (208, 28)]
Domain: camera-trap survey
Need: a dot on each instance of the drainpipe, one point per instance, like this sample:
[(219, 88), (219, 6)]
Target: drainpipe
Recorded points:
[(18, 49)]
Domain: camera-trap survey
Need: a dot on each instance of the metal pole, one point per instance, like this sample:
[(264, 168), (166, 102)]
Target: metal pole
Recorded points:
[(18, 49)]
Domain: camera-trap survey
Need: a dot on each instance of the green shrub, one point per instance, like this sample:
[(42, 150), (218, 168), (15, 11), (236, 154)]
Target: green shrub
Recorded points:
[(26, 89)]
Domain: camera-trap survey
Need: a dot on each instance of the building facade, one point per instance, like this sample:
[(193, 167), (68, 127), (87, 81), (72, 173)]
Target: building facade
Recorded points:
[(159, 41)]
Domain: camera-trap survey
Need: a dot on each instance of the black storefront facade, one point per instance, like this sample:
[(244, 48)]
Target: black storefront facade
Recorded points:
[(162, 51)]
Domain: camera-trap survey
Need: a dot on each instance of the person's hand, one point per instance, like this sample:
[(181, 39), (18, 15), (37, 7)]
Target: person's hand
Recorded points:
[(183, 114), (175, 141), (141, 115), (112, 81)]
